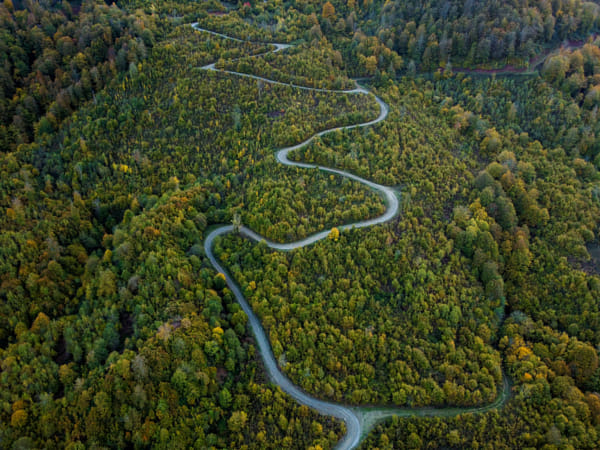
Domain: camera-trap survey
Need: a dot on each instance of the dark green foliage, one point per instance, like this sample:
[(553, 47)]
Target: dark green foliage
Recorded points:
[(484, 33), (54, 60)]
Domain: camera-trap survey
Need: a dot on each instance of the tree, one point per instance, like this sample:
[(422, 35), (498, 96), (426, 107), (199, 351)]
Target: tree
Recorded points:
[(583, 361), (237, 421), (371, 64), (334, 234), (18, 418), (328, 10), (237, 222)]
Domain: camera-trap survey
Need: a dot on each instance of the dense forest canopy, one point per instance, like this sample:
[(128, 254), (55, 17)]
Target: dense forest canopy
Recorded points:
[(54, 59), (433, 33), (119, 154)]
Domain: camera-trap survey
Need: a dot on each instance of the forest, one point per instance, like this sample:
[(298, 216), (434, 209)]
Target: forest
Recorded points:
[(119, 154)]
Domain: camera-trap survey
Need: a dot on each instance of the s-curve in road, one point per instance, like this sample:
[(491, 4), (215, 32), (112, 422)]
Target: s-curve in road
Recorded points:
[(358, 420)]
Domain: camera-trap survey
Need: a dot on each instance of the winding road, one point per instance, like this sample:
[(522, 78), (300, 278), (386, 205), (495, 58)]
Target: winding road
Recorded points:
[(358, 420)]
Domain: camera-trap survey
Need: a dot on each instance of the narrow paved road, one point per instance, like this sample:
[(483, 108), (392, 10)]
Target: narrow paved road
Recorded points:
[(353, 424), (358, 420)]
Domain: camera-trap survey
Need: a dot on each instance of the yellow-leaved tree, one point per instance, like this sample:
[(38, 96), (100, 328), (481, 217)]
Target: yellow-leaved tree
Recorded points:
[(328, 10), (334, 234)]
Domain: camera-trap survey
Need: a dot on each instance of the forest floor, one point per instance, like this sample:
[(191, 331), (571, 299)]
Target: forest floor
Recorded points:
[(593, 265)]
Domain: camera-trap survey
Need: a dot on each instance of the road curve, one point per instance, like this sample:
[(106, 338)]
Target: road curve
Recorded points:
[(358, 420), (278, 47), (353, 424)]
